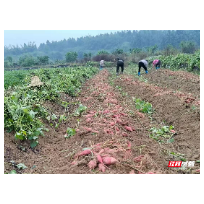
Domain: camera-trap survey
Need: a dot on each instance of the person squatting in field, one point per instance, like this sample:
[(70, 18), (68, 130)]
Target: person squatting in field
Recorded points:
[(143, 63), (156, 63), (101, 64), (120, 63)]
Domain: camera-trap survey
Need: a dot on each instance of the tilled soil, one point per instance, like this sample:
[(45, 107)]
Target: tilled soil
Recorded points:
[(108, 122)]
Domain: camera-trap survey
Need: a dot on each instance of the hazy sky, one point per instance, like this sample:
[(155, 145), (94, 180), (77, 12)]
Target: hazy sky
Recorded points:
[(14, 37)]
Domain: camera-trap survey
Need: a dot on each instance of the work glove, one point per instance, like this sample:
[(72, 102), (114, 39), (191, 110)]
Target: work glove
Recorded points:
[(138, 73), (146, 71)]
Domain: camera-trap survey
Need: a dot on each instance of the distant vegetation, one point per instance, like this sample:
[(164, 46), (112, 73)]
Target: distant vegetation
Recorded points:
[(145, 40)]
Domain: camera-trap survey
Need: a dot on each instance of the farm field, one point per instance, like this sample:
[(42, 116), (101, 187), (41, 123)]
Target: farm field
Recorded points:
[(86, 121)]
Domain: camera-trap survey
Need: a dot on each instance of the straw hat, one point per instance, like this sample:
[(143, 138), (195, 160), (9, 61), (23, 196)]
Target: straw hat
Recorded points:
[(35, 81)]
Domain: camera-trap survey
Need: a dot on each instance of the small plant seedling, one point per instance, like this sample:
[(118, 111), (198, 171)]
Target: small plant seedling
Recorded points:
[(21, 166), (70, 132)]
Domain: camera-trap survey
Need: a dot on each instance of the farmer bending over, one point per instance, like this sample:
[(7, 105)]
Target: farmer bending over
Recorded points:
[(143, 63), (101, 64), (120, 63), (156, 63)]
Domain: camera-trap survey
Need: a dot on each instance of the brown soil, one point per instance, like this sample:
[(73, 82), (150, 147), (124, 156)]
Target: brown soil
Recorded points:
[(99, 124)]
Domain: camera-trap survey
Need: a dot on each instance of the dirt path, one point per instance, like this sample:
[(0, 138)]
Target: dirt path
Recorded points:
[(109, 130)]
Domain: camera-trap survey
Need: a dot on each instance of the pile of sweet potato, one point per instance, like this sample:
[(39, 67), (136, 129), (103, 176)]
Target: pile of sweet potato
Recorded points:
[(104, 154)]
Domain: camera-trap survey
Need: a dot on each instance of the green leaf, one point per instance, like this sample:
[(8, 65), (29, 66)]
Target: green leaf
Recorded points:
[(170, 140), (86, 148), (165, 128), (19, 136), (48, 118), (21, 166), (33, 144), (171, 127), (71, 132), (32, 114), (25, 110), (12, 172), (54, 117), (138, 107), (35, 137)]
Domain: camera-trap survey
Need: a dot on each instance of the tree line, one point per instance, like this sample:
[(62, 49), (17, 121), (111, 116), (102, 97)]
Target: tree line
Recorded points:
[(87, 47)]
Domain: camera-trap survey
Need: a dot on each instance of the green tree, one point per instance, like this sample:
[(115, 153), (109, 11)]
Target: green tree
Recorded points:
[(26, 61), (71, 56), (102, 52), (43, 59), (188, 47), (9, 59)]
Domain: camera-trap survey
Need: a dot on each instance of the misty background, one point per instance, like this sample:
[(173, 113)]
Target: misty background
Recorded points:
[(26, 46)]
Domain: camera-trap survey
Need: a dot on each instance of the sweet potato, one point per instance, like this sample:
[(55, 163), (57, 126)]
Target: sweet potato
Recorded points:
[(124, 123), (92, 164), (74, 163), (112, 123), (109, 160), (89, 115), (128, 128), (124, 114), (106, 111), (124, 134), (88, 129), (129, 145), (85, 152), (132, 172), (101, 167), (119, 120), (99, 158), (88, 120), (141, 115)]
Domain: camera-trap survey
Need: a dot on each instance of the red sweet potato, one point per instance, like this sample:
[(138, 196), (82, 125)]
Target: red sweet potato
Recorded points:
[(88, 120), (89, 115), (101, 167), (128, 128), (109, 160), (119, 121), (99, 158), (124, 134), (88, 129), (112, 123), (132, 172), (92, 164), (106, 111), (85, 152)]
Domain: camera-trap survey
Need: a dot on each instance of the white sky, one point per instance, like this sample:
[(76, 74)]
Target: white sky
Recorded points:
[(19, 37)]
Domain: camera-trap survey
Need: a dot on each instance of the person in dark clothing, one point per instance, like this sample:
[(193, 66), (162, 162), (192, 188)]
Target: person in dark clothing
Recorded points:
[(120, 63), (143, 63)]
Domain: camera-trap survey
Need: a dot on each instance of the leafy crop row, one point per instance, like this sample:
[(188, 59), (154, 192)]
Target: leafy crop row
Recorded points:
[(23, 108), (189, 62)]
